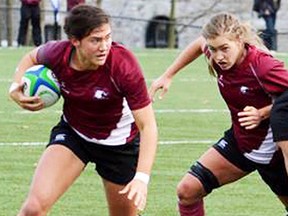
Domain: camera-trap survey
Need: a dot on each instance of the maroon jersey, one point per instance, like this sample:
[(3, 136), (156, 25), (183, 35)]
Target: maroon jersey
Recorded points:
[(72, 3), (31, 2), (98, 103), (252, 83)]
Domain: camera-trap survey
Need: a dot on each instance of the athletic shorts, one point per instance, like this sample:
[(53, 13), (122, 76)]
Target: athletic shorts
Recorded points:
[(113, 163), (274, 174), (279, 118)]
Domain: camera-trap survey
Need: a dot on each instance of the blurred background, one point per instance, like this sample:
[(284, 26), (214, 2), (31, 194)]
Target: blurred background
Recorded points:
[(142, 23)]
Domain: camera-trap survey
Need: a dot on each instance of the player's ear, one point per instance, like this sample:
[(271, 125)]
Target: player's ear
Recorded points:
[(75, 42), (240, 39)]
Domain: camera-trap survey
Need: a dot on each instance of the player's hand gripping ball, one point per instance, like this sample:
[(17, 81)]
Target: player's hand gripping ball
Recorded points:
[(40, 81)]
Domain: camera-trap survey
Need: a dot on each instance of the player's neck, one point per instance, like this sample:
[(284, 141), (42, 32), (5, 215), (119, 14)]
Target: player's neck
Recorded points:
[(242, 56), (79, 63)]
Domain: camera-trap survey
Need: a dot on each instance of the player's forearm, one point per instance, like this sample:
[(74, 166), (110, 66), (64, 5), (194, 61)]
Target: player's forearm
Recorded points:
[(148, 147), (265, 112), (188, 55), (146, 123), (27, 61)]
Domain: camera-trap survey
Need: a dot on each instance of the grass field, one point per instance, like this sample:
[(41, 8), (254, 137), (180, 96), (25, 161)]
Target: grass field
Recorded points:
[(190, 118)]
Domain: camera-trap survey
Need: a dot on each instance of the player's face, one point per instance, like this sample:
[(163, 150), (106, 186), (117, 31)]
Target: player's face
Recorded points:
[(94, 49), (225, 52)]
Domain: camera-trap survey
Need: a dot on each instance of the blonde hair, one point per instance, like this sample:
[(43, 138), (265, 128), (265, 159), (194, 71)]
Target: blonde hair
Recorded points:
[(228, 24)]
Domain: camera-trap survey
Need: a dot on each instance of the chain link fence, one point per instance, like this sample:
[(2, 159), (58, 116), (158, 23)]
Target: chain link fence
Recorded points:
[(135, 26)]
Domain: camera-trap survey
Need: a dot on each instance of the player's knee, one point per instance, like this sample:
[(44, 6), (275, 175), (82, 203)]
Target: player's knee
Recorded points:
[(189, 190), (33, 207), (184, 191), (205, 176)]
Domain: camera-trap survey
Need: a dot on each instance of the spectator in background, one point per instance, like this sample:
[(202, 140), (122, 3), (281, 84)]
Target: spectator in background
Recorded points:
[(30, 10), (72, 3), (268, 10)]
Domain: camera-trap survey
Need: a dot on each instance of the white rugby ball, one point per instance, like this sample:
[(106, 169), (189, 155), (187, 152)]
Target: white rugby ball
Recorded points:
[(40, 81)]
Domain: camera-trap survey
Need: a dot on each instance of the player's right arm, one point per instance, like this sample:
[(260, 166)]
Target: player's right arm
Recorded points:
[(251, 117), (189, 54), (16, 89)]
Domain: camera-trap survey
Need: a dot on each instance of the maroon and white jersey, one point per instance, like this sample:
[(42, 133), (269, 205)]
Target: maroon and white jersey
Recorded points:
[(98, 103), (252, 83)]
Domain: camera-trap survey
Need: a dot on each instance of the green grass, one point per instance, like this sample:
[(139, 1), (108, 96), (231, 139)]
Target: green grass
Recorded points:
[(192, 89)]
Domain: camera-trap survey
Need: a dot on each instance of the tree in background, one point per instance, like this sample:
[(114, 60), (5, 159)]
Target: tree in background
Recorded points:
[(171, 31), (9, 21), (99, 3)]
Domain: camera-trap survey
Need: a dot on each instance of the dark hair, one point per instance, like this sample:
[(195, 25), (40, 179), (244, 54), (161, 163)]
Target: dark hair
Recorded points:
[(83, 19)]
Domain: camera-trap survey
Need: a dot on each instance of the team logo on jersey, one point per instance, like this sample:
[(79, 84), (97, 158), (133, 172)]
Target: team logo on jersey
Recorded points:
[(101, 94), (63, 85), (244, 89), (220, 80)]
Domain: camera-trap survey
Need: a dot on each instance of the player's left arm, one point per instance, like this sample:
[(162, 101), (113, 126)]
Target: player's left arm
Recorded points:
[(137, 189)]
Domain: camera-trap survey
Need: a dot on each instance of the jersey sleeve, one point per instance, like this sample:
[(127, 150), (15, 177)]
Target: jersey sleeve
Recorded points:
[(272, 74), (51, 53), (131, 80)]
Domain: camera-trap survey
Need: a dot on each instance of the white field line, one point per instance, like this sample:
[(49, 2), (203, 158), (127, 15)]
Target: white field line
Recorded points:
[(171, 142), (6, 80), (281, 53), (188, 79), (191, 110), (22, 143), (3, 80), (156, 111)]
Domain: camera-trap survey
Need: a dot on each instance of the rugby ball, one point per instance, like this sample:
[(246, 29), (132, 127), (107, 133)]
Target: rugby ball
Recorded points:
[(40, 81)]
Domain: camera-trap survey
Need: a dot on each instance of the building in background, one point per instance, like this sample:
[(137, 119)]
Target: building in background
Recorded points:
[(145, 23)]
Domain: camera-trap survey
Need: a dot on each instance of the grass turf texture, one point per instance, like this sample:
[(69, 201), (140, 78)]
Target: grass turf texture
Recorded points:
[(178, 119)]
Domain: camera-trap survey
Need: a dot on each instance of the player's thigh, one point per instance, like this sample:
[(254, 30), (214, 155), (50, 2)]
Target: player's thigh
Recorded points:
[(57, 169), (119, 204), (224, 170), (209, 172)]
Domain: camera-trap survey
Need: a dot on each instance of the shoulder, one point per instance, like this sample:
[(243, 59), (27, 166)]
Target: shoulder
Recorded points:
[(123, 66), (122, 59), (119, 51), (53, 51), (257, 56), (263, 61), (55, 45)]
